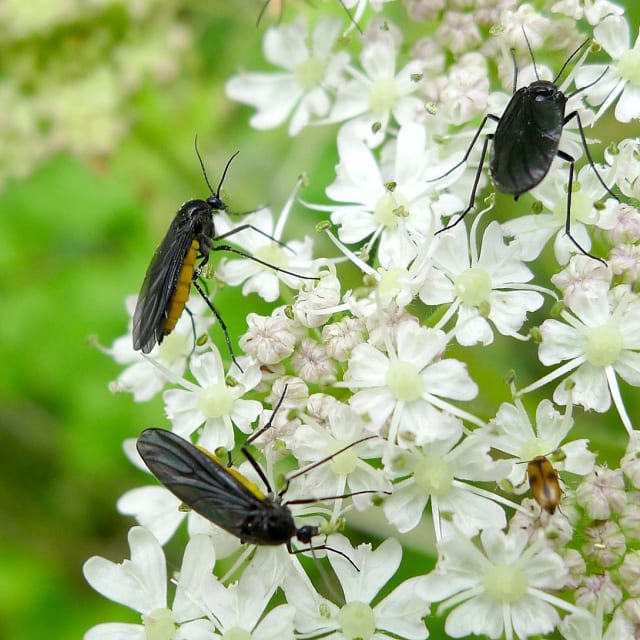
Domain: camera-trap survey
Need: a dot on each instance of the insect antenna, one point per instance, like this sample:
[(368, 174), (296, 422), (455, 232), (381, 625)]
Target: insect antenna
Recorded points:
[(204, 171), (535, 68), (569, 59)]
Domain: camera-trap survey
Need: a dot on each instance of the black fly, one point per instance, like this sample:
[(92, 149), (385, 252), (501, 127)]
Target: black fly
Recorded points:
[(526, 141)]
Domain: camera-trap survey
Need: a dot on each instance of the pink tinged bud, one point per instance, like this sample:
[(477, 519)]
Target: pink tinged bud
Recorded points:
[(312, 363), (269, 339), (629, 573), (577, 568), (630, 518), (602, 493), (340, 338), (599, 588), (604, 544), (630, 463)]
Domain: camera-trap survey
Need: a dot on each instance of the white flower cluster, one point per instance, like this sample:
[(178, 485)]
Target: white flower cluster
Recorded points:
[(386, 358)]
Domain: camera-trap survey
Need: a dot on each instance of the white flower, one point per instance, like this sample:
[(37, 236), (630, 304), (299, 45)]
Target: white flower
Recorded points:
[(499, 589), (599, 339), (443, 472), (482, 288), (141, 584), (262, 242), (393, 204), (213, 403), (408, 386), (533, 231), (593, 10), (142, 378), (347, 472), (238, 610), (511, 432), (310, 67), (622, 79), (398, 615), (378, 91)]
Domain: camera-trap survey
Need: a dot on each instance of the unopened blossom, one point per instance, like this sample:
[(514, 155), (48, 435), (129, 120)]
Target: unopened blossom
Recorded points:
[(499, 588), (141, 584), (602, 493), (410, 386), (213, 403), (312, 363), (622, 78), (364, 614), (604, 544), (317, 299), (483, 288), (341, 337), (598, 591), (629, 573), (630, 462), (269, 339), (583, 277), (309, 66)]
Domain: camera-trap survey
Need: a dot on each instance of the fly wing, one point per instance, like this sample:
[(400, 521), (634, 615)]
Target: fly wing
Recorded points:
[(152, 308), (199, 480)]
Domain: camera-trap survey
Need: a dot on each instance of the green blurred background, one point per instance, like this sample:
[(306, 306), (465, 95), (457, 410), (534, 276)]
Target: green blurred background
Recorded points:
[(76, 235)]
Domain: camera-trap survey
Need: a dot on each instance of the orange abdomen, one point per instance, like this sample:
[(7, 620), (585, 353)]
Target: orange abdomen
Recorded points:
[(183, 285)]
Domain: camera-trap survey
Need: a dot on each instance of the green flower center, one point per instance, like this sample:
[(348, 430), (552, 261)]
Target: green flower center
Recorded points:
[(159, 625), (390, 208), (346, 462), (175, 345), (236, 633), (581, 208), (604, 345), (405, 382), (505, 583), (383, 96), (357, 621), (629, 67), (391, 281), (272, 254), (310, 73), (216, 401), (473, 287), (434, 476), (535, 447)]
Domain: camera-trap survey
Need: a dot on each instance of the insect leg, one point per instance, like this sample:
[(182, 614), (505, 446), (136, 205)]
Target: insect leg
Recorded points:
[(243, 227), (293, 552), (487, 139), (223, 326), (230, 249), (489, 116), (576, 115), (248, 455), (567, 222)]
